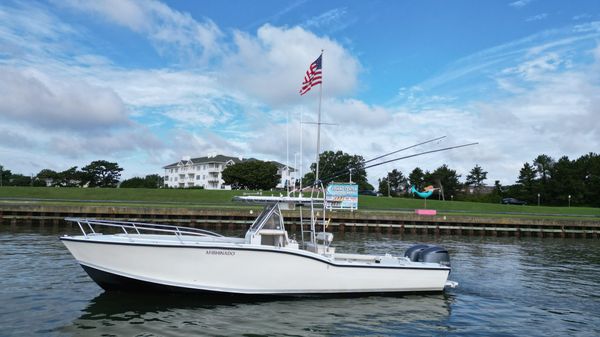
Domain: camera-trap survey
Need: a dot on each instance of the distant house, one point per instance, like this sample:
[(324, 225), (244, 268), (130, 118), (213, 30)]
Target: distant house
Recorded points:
[(483, 189), (288, 175), (206, 172)]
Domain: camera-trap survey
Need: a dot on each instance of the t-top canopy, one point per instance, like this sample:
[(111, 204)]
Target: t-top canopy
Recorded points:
[(262, 200)]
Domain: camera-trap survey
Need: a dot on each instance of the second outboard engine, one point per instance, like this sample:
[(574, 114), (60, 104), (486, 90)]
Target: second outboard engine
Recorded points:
[(414, 252), (435, 254)]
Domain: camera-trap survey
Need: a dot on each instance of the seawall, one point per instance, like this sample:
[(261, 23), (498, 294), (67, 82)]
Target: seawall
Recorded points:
[(16, 215)]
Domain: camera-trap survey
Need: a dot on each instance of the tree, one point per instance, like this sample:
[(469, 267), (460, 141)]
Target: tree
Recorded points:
[(4, 176), (383, 186), (567, 180), (589, 168), (476, 177), (445, 178), (101, 173), (526, 182), (150, 181), (396, 182), (254, 175), (135, 182), (154, 181), (416, 178), (544, 165), (69, 178), (338, 166), (19, 180), (49, 177)]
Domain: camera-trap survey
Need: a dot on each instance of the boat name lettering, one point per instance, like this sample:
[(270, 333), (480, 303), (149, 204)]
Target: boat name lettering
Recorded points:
[(220, 252)]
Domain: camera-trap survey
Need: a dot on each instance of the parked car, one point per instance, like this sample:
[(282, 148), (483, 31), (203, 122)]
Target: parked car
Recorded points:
[(513, 201)]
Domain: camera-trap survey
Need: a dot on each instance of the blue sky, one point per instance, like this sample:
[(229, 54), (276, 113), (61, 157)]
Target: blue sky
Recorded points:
[(144, 83)]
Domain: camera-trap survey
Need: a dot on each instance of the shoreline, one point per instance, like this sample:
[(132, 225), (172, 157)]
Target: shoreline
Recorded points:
[(240, 217)]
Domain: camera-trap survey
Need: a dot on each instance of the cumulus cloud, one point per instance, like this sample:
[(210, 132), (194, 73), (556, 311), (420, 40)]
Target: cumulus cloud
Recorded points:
[(165, 27), (32, 97), (185, 143), (109, 144), (271, 65)]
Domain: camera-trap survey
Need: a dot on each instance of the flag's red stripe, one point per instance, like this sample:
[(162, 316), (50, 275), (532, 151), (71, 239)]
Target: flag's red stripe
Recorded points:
[(313, 77)]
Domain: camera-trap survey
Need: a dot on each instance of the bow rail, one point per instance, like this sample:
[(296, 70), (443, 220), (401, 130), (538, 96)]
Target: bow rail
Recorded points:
[(87, 228)]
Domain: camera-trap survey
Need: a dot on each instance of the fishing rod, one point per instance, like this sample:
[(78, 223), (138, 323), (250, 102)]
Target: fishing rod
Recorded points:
[(399, 158)]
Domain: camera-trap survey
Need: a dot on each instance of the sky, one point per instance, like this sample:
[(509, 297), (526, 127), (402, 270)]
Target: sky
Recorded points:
[(145, 83)]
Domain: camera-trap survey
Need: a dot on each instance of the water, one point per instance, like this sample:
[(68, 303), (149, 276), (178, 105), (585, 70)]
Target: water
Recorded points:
[(508, 287)]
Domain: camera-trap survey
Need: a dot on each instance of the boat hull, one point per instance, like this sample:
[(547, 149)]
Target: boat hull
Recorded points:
[(243, 270)]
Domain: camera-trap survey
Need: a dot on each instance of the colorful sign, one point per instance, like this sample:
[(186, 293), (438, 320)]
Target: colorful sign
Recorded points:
[(342, 196)]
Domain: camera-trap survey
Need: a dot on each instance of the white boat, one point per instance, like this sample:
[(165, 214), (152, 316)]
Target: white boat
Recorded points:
[(266, 261)]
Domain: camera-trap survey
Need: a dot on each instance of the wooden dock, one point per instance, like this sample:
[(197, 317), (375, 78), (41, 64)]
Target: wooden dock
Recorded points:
[(19, 215)]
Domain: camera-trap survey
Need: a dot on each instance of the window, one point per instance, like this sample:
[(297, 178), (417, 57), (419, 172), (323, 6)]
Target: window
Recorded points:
[(197, 177)]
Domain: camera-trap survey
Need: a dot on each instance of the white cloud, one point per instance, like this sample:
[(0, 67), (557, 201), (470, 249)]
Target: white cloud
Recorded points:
[(537, 17), (271, 65), (331, 21), (165, 27), (355, 112), (539, 101), (35, 98), (538, 68), (520, 3)]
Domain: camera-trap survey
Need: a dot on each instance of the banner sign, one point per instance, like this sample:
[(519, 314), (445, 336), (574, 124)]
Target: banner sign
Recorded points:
[(342, 196)]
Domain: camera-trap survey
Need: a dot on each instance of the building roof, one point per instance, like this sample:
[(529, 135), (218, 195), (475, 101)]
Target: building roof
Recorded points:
[(204, 160), (220, 159)]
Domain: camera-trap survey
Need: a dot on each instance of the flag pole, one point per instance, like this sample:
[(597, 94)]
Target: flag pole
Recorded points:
[(301, 149), (319, 120)]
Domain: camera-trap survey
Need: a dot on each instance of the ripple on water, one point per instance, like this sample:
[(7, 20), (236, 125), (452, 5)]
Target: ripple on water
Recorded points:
[(507, 286)]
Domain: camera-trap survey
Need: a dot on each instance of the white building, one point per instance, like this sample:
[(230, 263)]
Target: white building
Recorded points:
[(205, 172)]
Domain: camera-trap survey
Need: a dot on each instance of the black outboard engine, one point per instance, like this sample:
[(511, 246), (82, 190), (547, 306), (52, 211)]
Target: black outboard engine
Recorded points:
[(414, 252), (428, 253), (435, 254)]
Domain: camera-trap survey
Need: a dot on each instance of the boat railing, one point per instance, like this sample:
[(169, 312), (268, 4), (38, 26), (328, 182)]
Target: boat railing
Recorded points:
[(130, 227)]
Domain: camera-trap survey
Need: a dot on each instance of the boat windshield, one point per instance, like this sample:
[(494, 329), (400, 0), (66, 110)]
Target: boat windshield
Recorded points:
[(270, 218)]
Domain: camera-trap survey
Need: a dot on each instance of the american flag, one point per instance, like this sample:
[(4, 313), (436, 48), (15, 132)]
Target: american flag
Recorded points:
[(313, 76)]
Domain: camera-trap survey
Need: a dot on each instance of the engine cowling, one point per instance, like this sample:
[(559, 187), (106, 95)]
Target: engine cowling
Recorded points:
[(428, 253)]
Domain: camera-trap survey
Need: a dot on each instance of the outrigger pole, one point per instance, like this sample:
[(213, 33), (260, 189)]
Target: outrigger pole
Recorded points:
[(342, 172), (405, 157), (404, 149)]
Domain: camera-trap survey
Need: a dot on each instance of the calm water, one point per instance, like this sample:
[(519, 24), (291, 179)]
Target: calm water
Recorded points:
[(508, 287)]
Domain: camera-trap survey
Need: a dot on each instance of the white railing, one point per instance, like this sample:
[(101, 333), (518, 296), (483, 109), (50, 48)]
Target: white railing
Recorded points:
[(87, 228)]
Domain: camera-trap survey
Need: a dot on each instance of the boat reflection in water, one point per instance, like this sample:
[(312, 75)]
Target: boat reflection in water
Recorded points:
[(116, 313)]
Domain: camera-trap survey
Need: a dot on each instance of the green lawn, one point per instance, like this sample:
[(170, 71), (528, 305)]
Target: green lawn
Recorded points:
[(134, 197), (194, 196), (385, 203)]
